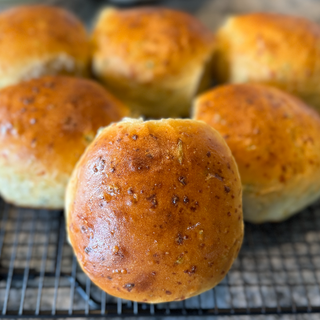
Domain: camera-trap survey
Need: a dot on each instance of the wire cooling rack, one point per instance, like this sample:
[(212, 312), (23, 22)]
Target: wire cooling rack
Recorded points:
[(277, 272)]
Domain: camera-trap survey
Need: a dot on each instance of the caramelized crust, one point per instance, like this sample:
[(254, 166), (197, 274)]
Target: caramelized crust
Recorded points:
[(275, 139), (45, 125), (154, 59), (154, 210), (273, 49)]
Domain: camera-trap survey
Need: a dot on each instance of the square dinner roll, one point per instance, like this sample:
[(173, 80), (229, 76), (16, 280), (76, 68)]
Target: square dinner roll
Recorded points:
[(153, 59)]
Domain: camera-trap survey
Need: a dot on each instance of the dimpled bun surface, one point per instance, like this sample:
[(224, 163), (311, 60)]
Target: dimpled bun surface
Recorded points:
[(275, 139), (274, 49), (45, 125), (154, 59), (39, 40), (154, 210)]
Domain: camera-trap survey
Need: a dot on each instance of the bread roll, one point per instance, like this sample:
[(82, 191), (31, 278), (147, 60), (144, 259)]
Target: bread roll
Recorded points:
[(45, 125), (41, 40), (273, 49), (154, 210), (275, 139), (154, 59)]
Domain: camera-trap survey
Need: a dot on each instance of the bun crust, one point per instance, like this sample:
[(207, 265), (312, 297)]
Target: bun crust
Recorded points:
[(150, 55), (154, 210), (273, 49), (41, 40), (275, 139), (45, 125)]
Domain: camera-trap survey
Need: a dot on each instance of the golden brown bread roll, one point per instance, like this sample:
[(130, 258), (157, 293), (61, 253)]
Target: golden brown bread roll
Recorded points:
[(154, 59), (41, 40), (45, 125), (154, 210), (275, 139), (273, 49)]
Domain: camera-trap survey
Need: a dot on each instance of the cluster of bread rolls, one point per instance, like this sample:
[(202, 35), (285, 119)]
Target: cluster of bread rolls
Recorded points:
[(273, 136), (47, 117), (154, 208)]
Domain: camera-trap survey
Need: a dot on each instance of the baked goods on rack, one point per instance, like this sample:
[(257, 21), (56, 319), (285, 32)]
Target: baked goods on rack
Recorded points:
[(38, 40), (274, 49), (154, 59), (154, 209), (45, 125), (275, 139)]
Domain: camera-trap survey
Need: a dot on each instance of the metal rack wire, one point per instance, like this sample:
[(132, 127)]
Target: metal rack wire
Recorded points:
[(277, 272)]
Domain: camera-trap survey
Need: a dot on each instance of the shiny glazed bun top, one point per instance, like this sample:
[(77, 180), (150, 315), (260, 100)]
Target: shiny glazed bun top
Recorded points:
[(275, 139), (274, 49), (155, 59), (45, 125), (41, 40), (154, 210)]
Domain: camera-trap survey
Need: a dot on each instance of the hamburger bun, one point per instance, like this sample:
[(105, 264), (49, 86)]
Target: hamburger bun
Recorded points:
[(40, 40), (154, 59), (274, 49), (154, 210), (275, 139), (45, 125)]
